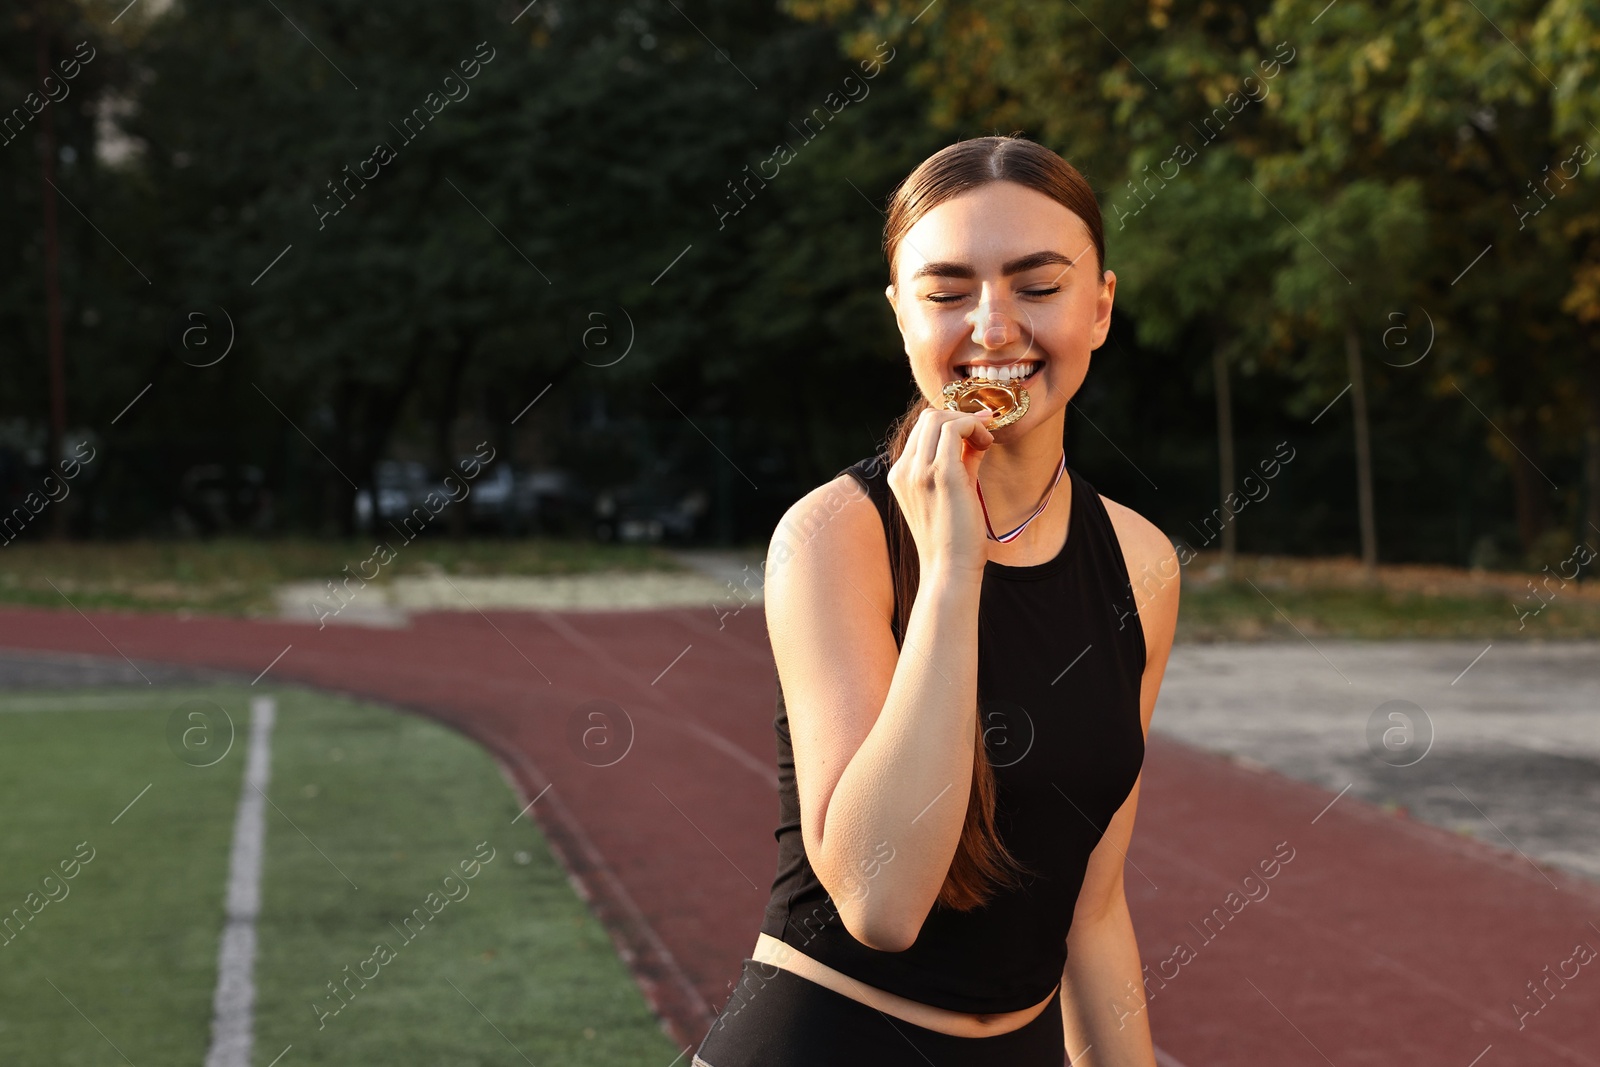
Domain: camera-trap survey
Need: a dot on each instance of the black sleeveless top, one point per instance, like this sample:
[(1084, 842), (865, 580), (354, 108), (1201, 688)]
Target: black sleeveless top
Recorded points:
[(1064, 735)]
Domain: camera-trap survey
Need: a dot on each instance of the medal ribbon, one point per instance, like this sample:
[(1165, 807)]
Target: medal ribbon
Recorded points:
[(1006, 538)]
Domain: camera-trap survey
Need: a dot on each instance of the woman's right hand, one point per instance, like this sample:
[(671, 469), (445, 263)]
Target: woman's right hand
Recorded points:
[(935, 481)]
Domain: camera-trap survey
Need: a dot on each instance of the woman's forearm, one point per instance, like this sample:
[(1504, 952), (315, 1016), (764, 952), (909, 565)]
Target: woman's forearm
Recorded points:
[(904, 794), (1103, 996)]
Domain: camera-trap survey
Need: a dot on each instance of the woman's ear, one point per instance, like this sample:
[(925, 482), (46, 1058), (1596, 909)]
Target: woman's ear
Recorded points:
[(1102, 308), (889, 294)]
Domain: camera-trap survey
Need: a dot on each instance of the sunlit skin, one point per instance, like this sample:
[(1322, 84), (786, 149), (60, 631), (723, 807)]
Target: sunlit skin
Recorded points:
[(1051, 312)]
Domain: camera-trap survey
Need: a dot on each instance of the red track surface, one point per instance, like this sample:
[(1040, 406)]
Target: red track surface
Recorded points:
[(1380, 941)]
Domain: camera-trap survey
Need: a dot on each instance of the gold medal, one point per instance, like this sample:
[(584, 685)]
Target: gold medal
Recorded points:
[(1008, 400)]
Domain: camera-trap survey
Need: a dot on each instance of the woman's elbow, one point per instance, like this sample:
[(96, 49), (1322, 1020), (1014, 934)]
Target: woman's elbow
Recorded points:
[(882, 932)]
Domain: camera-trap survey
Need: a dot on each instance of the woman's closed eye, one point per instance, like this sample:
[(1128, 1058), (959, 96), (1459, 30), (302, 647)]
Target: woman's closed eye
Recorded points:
[(950, 299)]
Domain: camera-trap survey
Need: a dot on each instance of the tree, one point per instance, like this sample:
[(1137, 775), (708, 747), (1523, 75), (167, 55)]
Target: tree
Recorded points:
[(1190, 267), (53, 79), (1376, 232), (604, 162), (1444, 96), (1434, 116)]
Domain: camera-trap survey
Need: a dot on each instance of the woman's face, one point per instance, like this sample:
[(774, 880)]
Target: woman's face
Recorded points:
[(957, 307)]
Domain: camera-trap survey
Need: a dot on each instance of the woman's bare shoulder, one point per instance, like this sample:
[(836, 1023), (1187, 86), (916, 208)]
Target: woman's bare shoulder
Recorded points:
[(1154, 569), (828, 560), (835, 519), (1144, 545)]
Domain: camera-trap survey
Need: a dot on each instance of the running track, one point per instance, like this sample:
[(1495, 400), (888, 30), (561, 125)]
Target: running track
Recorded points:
[(1380, 941)]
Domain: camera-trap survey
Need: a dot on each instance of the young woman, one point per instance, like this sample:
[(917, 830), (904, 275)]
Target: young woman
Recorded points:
[(969, 641)]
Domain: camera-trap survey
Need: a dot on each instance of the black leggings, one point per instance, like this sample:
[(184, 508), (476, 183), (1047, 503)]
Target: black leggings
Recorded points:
[(777, 1018)]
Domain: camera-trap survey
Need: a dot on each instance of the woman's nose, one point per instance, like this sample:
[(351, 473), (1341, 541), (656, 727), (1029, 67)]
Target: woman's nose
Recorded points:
[(991, 327)]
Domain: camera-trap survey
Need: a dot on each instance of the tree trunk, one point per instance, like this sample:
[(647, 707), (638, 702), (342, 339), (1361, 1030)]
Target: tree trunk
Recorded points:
[(52, 280), (1591, 448), (1358, 400), (1230, 535), (444, 423), (1530, 486), (382, 412), (343, 498)]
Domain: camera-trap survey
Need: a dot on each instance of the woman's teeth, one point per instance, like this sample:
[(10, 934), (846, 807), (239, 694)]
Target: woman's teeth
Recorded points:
[(1011, 372)]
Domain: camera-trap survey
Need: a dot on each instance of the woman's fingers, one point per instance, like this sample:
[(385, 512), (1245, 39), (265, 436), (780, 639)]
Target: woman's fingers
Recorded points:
[(932, 480), (960, 438), (930, 429)]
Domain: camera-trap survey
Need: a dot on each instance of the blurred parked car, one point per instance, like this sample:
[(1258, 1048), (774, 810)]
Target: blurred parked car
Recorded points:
[(501, 499), (215, 498), (523, 502), (401, 484), (649, 513)]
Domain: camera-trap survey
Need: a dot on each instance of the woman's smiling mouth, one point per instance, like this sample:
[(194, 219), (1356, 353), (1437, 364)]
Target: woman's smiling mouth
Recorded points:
[(1010, 372)]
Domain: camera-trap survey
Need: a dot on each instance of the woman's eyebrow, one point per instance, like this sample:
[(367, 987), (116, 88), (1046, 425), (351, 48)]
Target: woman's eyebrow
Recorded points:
[(1016, 266)]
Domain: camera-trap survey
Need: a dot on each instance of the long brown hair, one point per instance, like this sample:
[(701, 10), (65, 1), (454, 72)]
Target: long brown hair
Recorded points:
[(982, 863)]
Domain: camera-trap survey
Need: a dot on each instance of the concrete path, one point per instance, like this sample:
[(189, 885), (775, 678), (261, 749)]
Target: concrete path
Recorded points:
[(1500, 742), (719, 580)]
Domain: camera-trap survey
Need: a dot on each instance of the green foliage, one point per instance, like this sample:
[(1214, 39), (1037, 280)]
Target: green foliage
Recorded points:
[(1271, 173), (1359, 158)]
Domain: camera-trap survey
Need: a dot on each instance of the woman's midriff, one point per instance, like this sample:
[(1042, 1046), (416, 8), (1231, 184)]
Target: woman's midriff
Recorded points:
[(775, 953)]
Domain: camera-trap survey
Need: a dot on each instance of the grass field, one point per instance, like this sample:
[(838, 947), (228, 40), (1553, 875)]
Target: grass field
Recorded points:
[(370, 811), (1287, 597), (1262, 597), (235, 576), (1233, 610)]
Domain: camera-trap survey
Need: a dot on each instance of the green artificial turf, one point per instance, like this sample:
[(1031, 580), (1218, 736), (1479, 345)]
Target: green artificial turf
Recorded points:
[(398, 803), (132, 943), (371, 812)]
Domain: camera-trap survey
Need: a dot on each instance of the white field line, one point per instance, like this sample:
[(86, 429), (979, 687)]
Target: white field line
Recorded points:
[(233, 1007)]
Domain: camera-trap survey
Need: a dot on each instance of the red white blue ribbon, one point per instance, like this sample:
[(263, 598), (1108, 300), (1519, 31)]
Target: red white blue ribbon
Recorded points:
[(1012, 536)]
